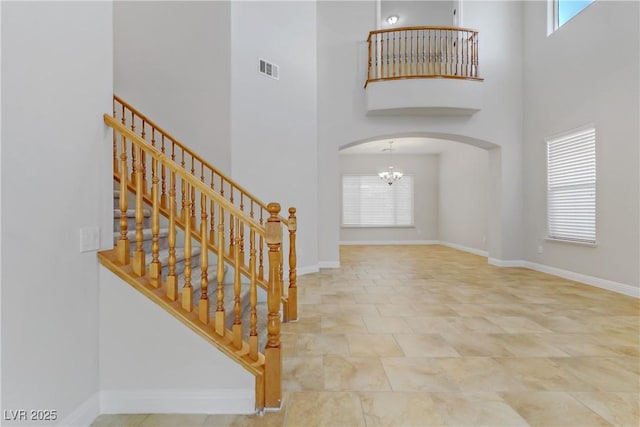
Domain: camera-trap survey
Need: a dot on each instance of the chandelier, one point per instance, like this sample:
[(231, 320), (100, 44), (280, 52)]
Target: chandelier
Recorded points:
[(390, 176)]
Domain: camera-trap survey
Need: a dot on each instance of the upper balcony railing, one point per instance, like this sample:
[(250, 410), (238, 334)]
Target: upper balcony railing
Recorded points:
[(423, 52)]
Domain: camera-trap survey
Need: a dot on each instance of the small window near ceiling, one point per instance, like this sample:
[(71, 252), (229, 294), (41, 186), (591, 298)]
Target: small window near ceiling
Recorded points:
[(562, 11), (368, 201), (571, 186)]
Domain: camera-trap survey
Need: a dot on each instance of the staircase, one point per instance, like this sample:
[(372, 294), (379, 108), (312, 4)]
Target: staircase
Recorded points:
[(216, 264)]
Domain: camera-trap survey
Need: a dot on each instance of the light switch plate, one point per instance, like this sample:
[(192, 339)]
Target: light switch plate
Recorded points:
[(89, 239)]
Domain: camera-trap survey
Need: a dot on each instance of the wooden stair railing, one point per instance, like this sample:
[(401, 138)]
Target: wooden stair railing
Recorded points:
[(422, 52), (194, 165), (133, 156)]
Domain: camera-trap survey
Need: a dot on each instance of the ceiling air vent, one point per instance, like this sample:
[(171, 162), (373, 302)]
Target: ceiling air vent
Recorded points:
[(269, 69)]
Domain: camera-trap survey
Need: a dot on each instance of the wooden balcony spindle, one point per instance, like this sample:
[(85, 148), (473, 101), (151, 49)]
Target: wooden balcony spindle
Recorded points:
[(261, 249), (155, 269), (220, 315), (184, 213), (139, 255), (231, 230), (172, 277), (293, 261), (123, 247), (272, 352), (115, 145), (411, 58), (192, 217), (212, 209), (187, 253), (387, 74), (203, 305), (405, 51), (163, 194), (133, 148), (253, 316), (394, 54), (237, 288), (369, 75)]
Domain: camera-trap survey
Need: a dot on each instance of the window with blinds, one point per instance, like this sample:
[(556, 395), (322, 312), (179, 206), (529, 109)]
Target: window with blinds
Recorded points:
[(368, 201), (571, 186)]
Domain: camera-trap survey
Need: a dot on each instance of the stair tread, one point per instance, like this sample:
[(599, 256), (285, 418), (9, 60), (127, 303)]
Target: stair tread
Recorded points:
[(131, 213), (146, 234)]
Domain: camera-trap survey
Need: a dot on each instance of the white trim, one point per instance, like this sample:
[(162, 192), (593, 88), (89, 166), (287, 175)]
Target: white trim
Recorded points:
[(388, 242), (308, 269), (177, 402), (466, 249), (609, 285), (506, 263), (84, 414), (329, 264)]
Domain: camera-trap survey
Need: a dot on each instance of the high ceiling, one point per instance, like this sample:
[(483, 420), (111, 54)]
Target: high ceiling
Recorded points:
[(407, 145)]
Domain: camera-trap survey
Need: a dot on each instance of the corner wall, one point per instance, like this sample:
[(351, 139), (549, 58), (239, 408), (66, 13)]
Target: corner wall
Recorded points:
[(57, 64), (586, 72)]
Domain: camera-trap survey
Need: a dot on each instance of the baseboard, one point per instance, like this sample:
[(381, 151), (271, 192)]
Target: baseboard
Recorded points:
[(388, 242), (177, 402), (609, 285), (329, 264), (301, 271), (465, 248), (84, 414), (506, 263)]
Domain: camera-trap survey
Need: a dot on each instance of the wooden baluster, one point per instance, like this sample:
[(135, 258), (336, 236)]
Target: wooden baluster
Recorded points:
[(393, 55), (475, 38), (133, 149), (172, 277), (219, 320), (251, 210), (253, 319), (203, 305), (457, 53), (163, 195), (261, 249), (212, 231), (183, 213), (192, 217), (187, 255), (143, 157), (405, 53), (115, 145), (411, 57), (123, 247), (232, 243), (293, 261), (369, 63), (240, 241), (388, 74), (138, 254), (272, 352), (429, 61), (155, 269), (237, 288)]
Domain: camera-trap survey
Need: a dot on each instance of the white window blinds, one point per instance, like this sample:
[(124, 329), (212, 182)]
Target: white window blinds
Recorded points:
[(368, 201), (571, 186)]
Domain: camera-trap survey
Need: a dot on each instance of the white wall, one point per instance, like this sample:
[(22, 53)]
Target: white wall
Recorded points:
[(424, 169), (57, 63), (150, 362), (273, 122), (417, 13), (342, 30), (586, 72), (463, 203), (171, 62)]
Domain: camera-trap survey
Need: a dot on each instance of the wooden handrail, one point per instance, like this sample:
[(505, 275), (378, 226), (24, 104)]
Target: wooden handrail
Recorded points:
[(186, 149), (190, 179), (422, 52)]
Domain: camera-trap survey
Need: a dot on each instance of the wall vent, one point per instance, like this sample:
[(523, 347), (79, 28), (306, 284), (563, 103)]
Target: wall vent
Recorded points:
[(269, 69)]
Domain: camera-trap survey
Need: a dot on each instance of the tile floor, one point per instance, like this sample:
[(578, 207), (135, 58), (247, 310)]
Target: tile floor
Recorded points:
[(431, 336)]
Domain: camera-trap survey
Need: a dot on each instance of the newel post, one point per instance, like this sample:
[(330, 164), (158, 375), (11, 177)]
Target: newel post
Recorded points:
[(293, 276), (272, 353)]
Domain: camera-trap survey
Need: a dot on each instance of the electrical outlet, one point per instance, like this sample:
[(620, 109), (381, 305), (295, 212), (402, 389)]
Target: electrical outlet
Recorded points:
[(89, 239)]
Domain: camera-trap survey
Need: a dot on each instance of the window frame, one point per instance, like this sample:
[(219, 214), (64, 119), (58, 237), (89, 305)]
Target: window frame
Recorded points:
[(377, 179), (557, 138), (553, 15)]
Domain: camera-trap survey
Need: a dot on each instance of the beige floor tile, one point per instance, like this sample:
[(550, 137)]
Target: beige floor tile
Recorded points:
[(368, 345), (119, 420), (359, 309), (477, 344), (427, 345), (319, 345), (173, 420), (476, 410), (434, 310), (517, 325), (320, 409), (343, 324), (528, 345), (479, 374), (552, 408), (354, 374), (302, 373), (269, 419), (620, 409), (385, 409), (417, 374), (601, 373), (542, 374), (385, 325)]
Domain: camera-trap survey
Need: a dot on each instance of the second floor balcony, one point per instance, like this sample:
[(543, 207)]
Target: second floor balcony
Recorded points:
[(423, 70)]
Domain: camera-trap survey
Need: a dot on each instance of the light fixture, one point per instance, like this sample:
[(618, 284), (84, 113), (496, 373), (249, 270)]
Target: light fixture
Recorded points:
[(390, 176), (392, 19)]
